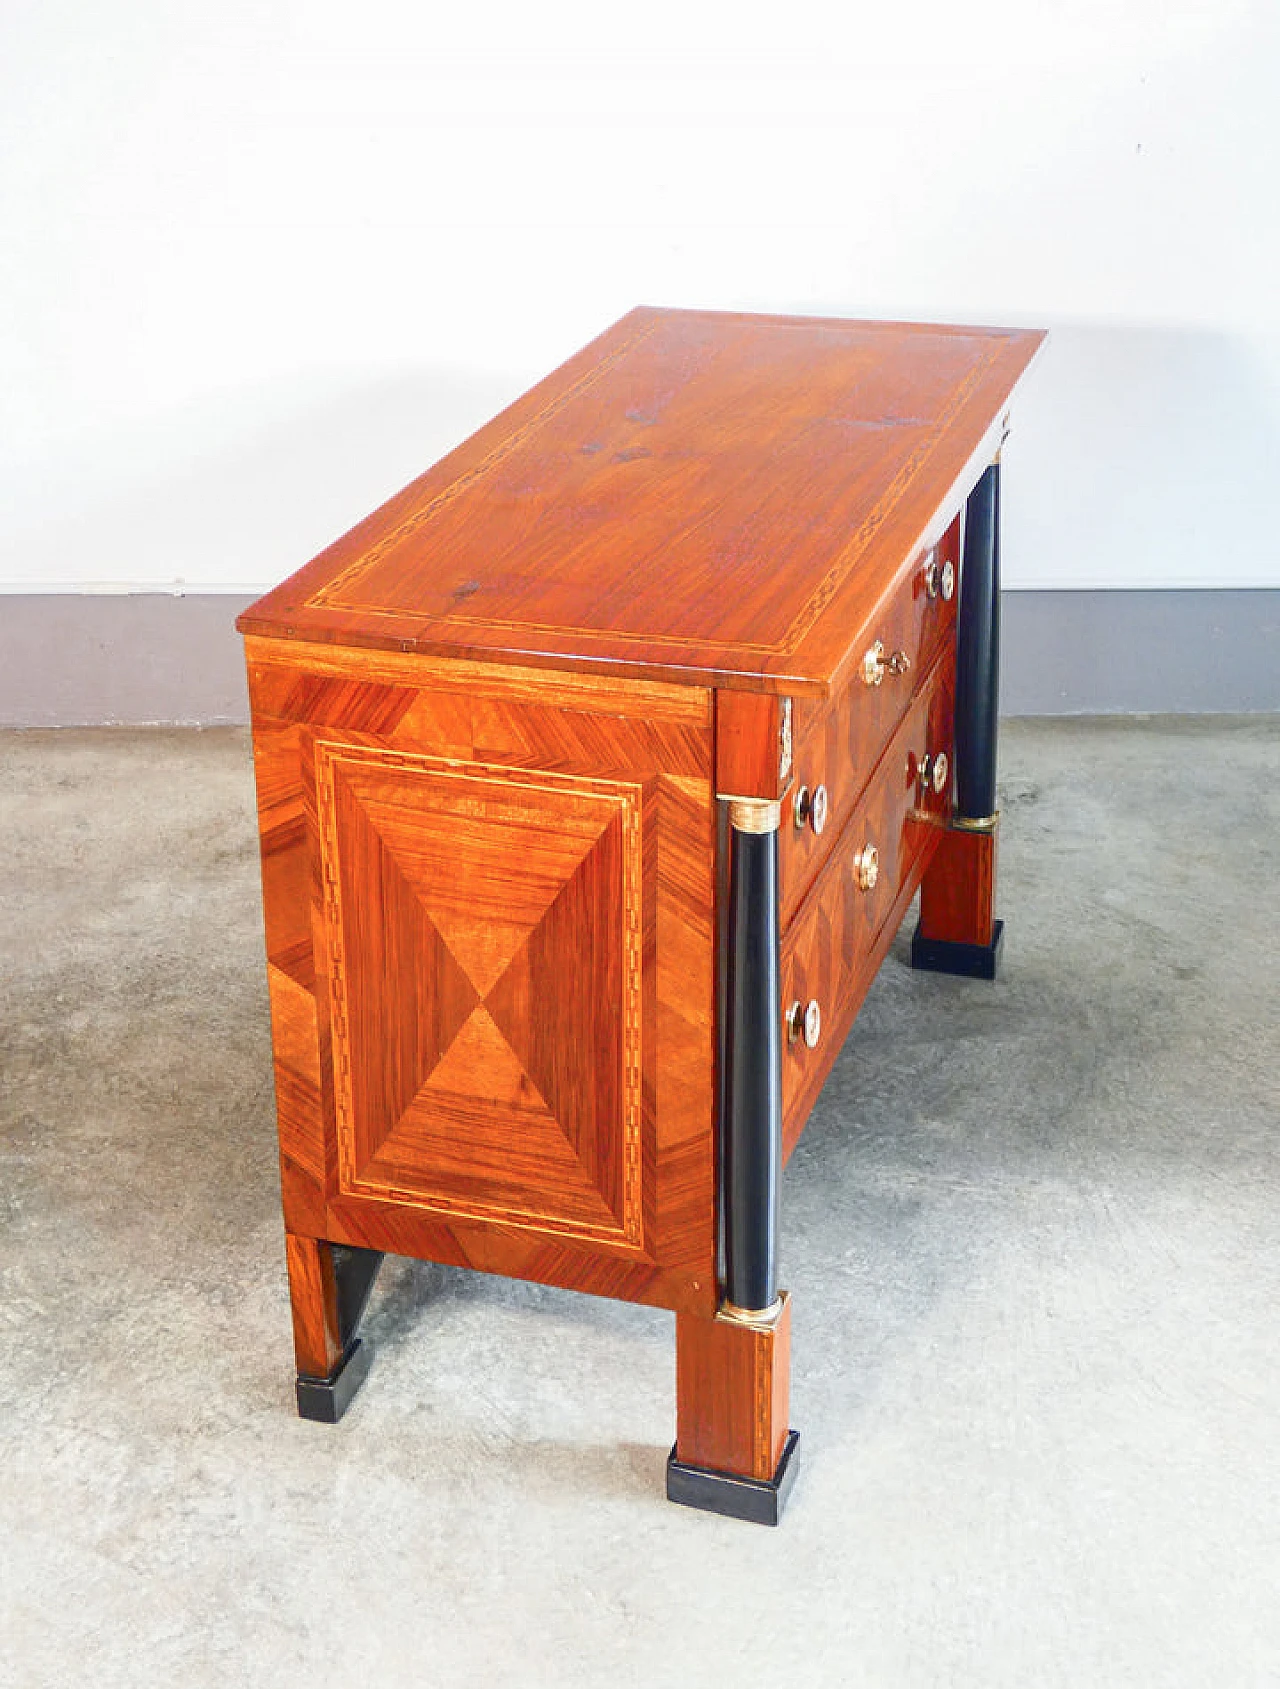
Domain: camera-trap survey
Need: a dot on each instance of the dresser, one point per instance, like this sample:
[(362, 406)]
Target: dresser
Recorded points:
[(596, 773)]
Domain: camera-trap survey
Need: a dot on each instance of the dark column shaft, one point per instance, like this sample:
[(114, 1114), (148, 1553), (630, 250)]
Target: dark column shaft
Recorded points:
[(978, 651), (752, 1125)]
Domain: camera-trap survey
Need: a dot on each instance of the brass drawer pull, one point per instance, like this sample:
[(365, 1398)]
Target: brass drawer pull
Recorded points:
[(866, 867), (804, 1020), (940, 580), (810, 809), (933, 770)]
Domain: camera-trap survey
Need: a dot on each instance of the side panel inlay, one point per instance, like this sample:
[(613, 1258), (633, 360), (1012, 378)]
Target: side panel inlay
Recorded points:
[(483, 934)]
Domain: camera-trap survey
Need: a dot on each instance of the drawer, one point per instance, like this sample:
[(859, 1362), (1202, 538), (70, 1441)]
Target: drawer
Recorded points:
[(839, 742), (835, 943)]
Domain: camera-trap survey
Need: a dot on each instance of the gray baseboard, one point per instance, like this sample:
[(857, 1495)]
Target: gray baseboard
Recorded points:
[(87, 659), (1125, 653), (69, 660)]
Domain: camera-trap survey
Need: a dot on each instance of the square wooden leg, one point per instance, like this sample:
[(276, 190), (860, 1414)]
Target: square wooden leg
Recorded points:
[(734, 1453), (328, 1288), (958, 932)]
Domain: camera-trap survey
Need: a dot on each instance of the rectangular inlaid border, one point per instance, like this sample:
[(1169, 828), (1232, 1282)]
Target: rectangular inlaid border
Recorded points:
[(330, 596), (329, 754)]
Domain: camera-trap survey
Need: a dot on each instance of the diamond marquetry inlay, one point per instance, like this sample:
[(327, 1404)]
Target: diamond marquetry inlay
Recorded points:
[(484, 986)]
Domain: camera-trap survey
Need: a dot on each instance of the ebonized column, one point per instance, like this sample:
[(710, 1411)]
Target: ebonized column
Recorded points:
[(752, 1127), (958, 932), (735, 1453), (978, 652)]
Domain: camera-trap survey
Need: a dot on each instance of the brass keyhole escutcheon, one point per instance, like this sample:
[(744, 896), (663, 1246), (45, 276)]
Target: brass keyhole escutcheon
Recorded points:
[(866, 867), (804, 1020), (875, 664)]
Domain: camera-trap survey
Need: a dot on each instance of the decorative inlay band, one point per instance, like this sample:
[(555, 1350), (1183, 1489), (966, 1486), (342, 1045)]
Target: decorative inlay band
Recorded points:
[(330, 596)]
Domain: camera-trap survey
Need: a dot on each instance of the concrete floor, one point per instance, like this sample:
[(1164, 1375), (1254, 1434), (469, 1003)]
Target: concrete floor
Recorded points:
[(1032, 1235)]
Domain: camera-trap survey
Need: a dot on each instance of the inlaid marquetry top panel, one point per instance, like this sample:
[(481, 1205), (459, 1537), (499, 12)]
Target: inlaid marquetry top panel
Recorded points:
[(695, 496)]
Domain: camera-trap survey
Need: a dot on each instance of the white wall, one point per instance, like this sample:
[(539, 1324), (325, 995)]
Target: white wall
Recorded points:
[(260, 265)]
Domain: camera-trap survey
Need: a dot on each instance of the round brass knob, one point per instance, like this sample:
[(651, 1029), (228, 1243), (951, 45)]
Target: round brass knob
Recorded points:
[(809, 808), (866, 867), (939, 578), (804, 1020), (933, 771), (812, 1023), (818, 810), (873, 665)]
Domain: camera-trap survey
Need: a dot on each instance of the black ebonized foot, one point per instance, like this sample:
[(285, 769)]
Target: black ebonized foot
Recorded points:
[(327, 1399), (758, 1500), (972, 961)]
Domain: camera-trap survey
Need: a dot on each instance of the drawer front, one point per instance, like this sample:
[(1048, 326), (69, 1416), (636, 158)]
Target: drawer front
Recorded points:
[(831, 950), (838, 743)]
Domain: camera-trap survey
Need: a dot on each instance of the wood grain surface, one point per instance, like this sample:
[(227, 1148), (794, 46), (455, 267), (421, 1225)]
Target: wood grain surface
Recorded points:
[(489, 907), (313, 1296), (839, 936), (711, 498), (749, 744), (840, 741), (958, 894), (733, 1387)]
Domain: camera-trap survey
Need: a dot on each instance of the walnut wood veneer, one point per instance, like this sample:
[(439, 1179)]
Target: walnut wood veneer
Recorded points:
[(596, 772)]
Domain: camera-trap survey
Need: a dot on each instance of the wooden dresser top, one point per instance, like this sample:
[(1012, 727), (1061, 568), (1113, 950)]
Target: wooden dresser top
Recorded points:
[(695, 496)]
